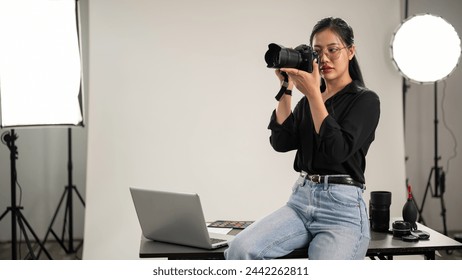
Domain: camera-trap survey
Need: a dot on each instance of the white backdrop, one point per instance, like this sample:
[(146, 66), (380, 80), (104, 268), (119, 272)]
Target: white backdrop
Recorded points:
[(180, 99)]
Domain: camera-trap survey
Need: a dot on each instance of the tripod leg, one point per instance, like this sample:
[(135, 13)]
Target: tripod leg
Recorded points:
[(53, 220), (442, 188), (55, 215), (421, 219), (67, 223), (83, 203), (58, 238), (26, 237), (8, 209), (443, 214), (79, 246), (78, 194), (70, 228), (21, 219)]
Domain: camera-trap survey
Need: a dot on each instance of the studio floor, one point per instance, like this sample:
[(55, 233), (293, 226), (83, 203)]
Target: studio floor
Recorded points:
[(54, 249)]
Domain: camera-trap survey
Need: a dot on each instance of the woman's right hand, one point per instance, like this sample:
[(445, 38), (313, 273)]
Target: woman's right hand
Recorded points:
[(283, 109), (307, 83), (281, 79)]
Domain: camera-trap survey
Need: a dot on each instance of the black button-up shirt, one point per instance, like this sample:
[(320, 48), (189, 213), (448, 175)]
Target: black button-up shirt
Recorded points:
[(344, 137)]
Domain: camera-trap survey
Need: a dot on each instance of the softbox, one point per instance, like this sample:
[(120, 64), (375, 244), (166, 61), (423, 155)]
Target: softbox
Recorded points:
[(40, 63)]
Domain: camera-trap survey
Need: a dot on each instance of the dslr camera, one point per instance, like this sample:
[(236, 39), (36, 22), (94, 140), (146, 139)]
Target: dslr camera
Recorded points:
[(300, 58)]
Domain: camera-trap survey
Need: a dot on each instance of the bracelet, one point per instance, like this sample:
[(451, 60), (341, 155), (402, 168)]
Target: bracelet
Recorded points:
[(288, 92)]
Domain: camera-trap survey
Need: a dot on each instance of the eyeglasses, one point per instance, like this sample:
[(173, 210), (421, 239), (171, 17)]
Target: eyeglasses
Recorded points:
[(333, 53)]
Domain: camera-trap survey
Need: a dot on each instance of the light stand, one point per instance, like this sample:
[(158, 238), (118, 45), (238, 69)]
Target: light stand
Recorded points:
[(17, 218), (437, 171), (416, 31), (405, 87), (68, 213), (42, 83)]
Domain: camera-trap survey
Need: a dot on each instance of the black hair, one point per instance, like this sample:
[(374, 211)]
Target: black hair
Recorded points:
[(345, 32)]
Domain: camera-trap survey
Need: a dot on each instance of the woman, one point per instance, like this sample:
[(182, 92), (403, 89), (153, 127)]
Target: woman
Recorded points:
[(331, 128)]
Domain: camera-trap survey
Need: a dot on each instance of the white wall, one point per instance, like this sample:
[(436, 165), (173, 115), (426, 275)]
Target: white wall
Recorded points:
[(180, 99)]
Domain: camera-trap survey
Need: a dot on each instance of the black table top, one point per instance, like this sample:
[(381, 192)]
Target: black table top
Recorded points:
[(381, 243)]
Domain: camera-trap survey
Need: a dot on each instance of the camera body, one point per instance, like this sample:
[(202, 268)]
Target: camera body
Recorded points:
[(300, 58)]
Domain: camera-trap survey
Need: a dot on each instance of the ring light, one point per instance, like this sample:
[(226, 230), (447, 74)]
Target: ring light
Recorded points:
[(425, 48)]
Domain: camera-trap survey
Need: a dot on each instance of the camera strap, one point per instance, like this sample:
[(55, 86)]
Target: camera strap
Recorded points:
[(284, 86)]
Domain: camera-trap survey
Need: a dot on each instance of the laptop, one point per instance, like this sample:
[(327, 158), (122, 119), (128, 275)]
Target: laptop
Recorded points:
[(174, 218)]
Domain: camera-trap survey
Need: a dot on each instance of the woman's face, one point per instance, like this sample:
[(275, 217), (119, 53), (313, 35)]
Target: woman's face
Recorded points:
[(334, 55)]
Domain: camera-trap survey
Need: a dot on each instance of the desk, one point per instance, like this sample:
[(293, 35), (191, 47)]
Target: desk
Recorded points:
[(385, 246), (382, 246)]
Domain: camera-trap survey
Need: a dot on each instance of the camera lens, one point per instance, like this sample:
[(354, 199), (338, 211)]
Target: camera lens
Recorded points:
[(277, 57), (379, 209), (401, 228), (289, 58), (301, 57)]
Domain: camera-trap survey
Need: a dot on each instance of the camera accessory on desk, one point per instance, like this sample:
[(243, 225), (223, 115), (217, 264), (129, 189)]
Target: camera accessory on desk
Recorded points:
[(379, 210), (406, 229)]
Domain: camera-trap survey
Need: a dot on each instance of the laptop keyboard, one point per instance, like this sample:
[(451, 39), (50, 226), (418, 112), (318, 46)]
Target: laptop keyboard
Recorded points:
[(216, 240), (231, 224)]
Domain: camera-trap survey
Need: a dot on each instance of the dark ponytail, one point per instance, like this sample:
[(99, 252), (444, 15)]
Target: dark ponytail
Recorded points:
[(345, 32)]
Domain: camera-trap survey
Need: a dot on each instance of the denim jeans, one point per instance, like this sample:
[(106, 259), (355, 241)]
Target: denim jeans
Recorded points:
[(330, 219)]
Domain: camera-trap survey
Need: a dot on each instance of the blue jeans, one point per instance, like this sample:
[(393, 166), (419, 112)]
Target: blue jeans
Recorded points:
[(330, 219)]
